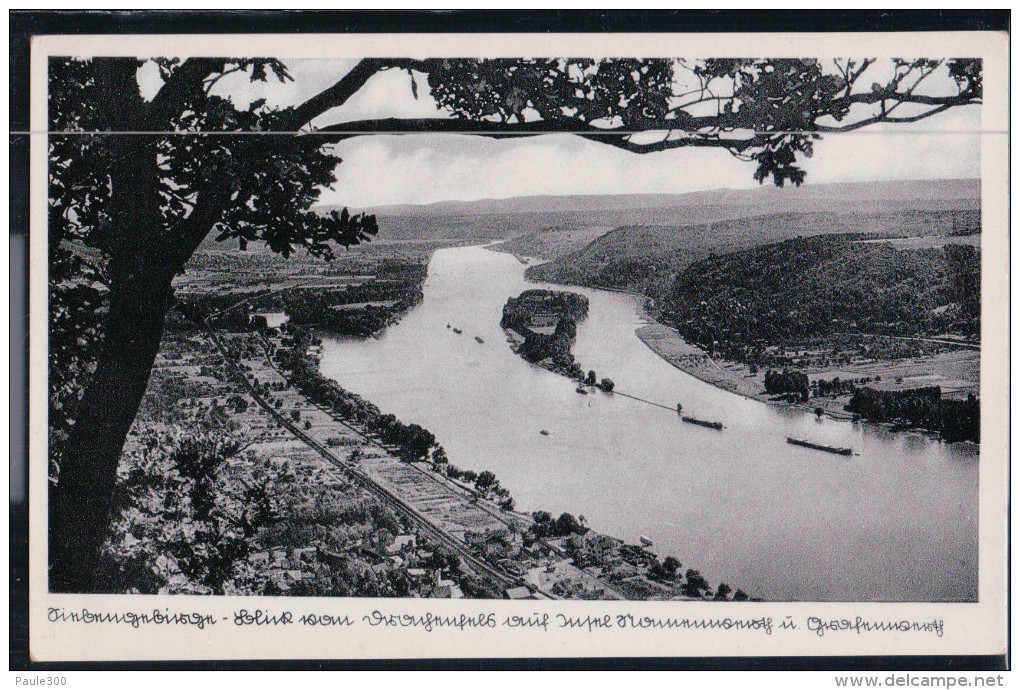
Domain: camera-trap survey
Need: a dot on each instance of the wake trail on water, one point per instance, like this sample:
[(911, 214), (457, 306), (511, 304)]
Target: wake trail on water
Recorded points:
[(647, 402)]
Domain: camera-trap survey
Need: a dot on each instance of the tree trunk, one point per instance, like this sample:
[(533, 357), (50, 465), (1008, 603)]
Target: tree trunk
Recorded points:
[(80, 502), (140, 278)]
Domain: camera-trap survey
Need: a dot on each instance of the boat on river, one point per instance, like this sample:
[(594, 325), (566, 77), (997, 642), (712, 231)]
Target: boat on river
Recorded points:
[(479, 340), (581, 391), (544, 432), (457, 331), (701, 422), (818, 446)]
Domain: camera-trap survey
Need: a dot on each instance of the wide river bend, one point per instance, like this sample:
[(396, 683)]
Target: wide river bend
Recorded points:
[(898, 522)]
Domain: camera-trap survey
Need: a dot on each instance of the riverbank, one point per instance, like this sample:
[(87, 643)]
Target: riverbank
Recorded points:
[(741, 506), (728, 376), (737, 378)]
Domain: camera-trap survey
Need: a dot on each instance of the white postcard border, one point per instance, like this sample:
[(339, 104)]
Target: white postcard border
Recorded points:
[(975, 628)]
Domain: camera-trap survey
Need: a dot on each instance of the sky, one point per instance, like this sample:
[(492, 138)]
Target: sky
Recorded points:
[(397, 169)]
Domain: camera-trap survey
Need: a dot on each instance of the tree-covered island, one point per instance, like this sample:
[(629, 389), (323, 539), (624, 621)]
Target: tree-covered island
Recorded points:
[(542, 325)]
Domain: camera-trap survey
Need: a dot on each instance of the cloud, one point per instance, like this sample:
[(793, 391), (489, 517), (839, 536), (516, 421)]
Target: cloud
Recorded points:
[(389, 169), (383, 169)]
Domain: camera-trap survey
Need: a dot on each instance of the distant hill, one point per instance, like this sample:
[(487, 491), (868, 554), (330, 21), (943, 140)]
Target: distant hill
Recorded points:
[(575, 217), (491, 219), (773, 198), (644, 257), (552, 243)]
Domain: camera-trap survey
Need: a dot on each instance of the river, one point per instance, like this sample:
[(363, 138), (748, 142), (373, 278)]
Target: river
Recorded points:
[(898, 522)]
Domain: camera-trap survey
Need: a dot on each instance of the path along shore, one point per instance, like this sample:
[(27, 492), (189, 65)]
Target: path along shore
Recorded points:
[(729, 376)]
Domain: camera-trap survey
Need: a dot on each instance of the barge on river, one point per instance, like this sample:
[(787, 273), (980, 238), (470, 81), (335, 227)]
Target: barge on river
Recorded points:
[(819, 446), (701, 422)]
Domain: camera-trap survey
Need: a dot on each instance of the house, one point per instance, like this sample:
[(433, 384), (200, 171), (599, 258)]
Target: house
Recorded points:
[(280, 580), (367, 551), (511, 566), (447, 589), (303, 555), (330, 558), (400, 542), (268, 319), (596, 547), (543, 320), (518, 593), (557, 546)]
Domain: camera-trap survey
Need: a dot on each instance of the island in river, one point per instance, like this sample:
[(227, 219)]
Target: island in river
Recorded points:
[(744, 506), (335, 497)]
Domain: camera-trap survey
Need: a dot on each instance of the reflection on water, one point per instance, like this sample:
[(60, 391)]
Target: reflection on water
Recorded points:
[(898, 521)]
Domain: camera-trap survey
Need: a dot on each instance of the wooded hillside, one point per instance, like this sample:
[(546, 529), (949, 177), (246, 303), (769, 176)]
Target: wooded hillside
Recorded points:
[(810, 288)]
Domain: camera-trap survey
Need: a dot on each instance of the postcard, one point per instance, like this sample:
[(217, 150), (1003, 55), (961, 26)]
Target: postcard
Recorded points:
[(518, 345)]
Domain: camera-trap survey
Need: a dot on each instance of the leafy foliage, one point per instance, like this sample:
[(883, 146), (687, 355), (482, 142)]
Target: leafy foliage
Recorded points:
[(264, 185), (787, 382), (545, 526), (212, 172), (955, 420), (415, 443), (767, 111), (565, 308), (183, 523)]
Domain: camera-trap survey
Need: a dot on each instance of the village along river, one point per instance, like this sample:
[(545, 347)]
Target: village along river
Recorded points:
[(896, 522)]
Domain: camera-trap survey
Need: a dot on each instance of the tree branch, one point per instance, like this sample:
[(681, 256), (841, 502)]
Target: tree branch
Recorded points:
[(340, 92), (185, 84), (206, 213), (873, 97), (502, 130), (882, 118)]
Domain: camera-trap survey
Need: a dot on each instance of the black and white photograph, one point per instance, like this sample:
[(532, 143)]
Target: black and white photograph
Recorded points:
[(573, 326)]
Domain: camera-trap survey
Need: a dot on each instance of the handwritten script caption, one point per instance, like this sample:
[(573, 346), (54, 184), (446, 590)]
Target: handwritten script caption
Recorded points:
[(537, 621)]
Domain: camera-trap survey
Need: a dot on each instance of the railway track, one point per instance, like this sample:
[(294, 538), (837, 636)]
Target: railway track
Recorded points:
[(366, 482), (471, 495)]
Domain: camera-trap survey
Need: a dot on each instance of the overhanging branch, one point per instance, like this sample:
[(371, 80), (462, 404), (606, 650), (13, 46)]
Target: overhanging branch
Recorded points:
[(624, 139), (884, 118), (340, 92)]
